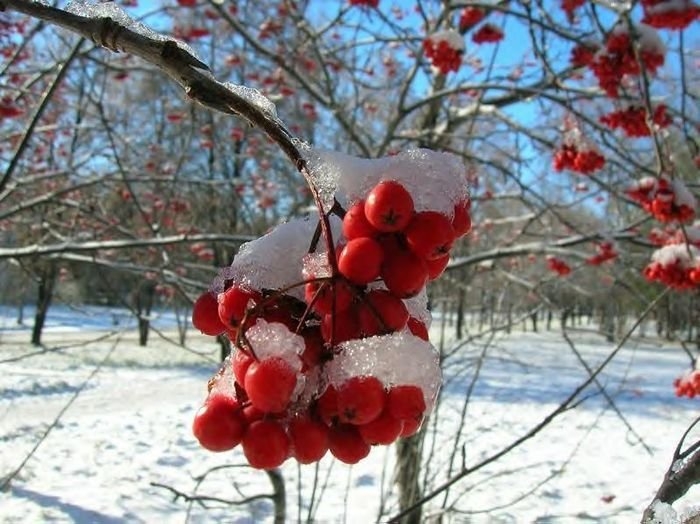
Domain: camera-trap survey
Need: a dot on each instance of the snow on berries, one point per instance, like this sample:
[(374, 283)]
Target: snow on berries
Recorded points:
[(444, 49), (677, 262), (665, 199), (330, 334)]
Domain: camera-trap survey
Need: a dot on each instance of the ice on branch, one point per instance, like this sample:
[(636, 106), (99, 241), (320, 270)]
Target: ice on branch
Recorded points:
[(395, 359), (253, 97), (111, 10), (435, 180)]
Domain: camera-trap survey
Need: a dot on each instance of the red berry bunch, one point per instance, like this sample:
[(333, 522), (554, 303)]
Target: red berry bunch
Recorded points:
[(582, 161), (470, 16), (569, 6), (365, 3), (558, 266), (667, 200), (583, 54), (677, 266), (445, 50), (331, 351), (487, 33), (633, 120), (688, 385), (670, 14), (605, 252), (619, 59)]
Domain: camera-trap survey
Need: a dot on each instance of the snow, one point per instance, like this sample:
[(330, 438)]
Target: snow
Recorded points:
[(255, 98), (452, 37), (435, 180), (685, 255), (130, 427)]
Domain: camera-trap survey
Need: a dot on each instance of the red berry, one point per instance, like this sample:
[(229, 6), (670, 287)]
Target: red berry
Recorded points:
[(436, 267), (309, 439), (384, 429), (360, 260), (270, 384), (355, 223), (462, 221), (343, 327), (404, 273), (417, 328), (406, 402), (336, 294), (430, 235), (360, 400), (266, 444), (346, 444), (205, 315), (327, 406), (233, 304), (313, 348), (219, 425), (240, 363), (382, 312), (410, 427), (389, 207)]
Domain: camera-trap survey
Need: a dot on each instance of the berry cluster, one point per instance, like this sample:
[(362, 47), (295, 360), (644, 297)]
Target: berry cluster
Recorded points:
[(584, 161), (487, 33), (444, 49), (688, 385), (558, 266), (633, 120), (667, 200), (670, 14), (677, 266), (331, 349), (570, 6), (470, 16), (619, 57), (605, 252), (365, 3), (583, 54)]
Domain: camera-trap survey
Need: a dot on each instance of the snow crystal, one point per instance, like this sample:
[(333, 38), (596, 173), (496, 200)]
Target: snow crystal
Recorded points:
[(452, 37), (254, 97), (273, 339), (663, 514), (224, 382), (274, 261), (436, 180), (395, 359)]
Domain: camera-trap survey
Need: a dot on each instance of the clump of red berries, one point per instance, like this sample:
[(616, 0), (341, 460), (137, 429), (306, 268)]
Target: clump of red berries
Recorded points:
[(470, 16), (670, 14), (584, 161), (558, 266), (633, 120), (570, 6), (605, 251), (676, 266), (665, 199), (332, 354), (445, 50), (487, 34), (365, 3), (688, 385), (618, 58), (583, 54)]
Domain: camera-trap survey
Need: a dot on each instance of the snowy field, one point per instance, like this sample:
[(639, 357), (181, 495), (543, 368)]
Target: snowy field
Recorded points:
[(127, 433)]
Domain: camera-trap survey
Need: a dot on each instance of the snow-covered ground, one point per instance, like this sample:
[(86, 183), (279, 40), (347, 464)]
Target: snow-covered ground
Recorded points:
[(129, 428)]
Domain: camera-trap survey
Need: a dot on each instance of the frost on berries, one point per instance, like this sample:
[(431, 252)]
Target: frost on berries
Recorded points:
[(331, 352), (444, 49)]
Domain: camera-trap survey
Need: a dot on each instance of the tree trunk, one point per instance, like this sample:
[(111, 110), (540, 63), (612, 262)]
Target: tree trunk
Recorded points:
[(279, 498), (408, 464), (460, 313), (144, 303), (47, 284), (533, 317)]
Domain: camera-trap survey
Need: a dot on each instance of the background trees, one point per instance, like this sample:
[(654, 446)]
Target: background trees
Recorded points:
[(117, 183)]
